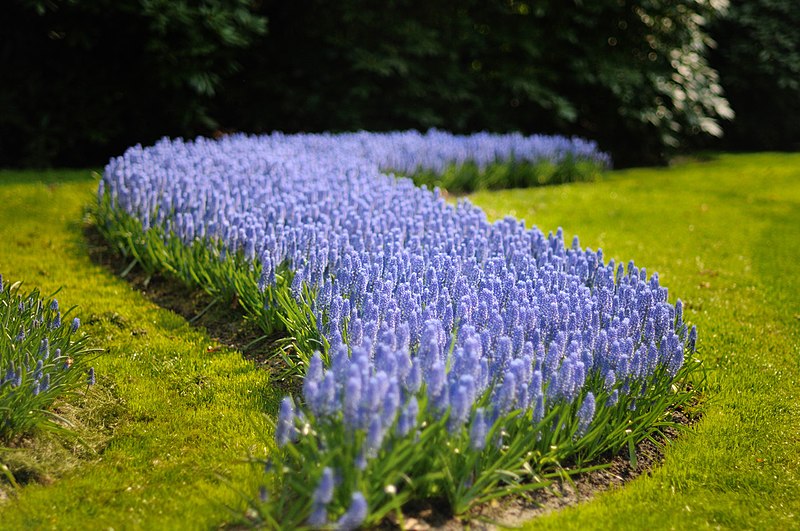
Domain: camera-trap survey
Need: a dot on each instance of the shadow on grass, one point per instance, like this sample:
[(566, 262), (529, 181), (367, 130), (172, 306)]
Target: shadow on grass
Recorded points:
[(49, 177), (224, 322)]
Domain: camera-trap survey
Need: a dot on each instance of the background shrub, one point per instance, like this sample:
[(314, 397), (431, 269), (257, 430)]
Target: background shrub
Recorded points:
[(84, 80), (758, 57), (631, 75)]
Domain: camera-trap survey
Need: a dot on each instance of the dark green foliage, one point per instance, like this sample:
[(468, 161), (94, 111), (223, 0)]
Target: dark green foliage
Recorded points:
[(83, 80), (631, 75), (758, 57), (469, 177)]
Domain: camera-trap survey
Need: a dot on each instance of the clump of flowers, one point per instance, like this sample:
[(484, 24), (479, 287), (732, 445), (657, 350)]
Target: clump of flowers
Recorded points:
[(41, 358), (443, 356)]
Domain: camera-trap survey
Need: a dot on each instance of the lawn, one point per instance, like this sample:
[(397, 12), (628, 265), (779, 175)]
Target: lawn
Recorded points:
[(173, 415)]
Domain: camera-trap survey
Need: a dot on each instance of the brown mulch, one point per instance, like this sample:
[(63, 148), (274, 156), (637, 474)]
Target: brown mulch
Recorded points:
[(227, 325)]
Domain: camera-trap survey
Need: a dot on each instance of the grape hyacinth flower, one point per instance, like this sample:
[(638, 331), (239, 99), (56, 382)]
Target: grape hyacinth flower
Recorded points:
[(355, 514), (324, 492), (323, 495), (425, 310), (478, 431), (318, 517), (692, 342), (586, 414), (285, 430)]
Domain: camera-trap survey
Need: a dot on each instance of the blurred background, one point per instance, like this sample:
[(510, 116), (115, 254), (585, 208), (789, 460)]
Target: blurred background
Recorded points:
[(82, 80)]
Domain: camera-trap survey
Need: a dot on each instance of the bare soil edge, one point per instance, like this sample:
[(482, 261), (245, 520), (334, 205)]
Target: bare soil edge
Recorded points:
[(226, 324), (513, 511)]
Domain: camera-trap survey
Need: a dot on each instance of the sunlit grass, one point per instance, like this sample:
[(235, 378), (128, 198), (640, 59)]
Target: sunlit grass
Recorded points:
[(724, 236), (175, 419)]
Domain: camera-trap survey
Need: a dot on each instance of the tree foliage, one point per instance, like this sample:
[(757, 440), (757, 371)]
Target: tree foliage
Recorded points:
[(631, 75), (758, 56), (82, 80), (87, 78)]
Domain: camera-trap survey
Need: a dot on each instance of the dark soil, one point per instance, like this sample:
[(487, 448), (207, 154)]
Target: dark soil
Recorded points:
[(227, 324), (513, 511)]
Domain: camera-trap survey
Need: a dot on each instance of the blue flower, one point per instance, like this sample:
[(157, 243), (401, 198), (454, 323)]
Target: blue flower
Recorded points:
[(374, 436), (355, 514), (284, 429), (460, 403), (585, 414), (613, 398), (436, 379), (318, 516), (323, 495), (44, 349), (352, 400), (478, 430), (407, 420)]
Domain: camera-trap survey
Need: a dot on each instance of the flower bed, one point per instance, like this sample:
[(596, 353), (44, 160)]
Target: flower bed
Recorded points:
[(443, 356), (41, 358)]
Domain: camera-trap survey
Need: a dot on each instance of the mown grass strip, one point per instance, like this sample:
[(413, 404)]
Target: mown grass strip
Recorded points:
[(174, 409), (724, 235)]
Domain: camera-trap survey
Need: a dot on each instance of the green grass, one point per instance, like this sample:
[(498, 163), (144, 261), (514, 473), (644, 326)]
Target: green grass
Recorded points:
[(174, 416), (724, 236)]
